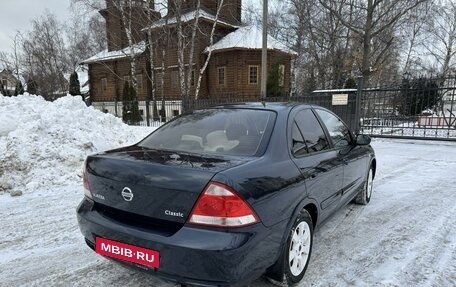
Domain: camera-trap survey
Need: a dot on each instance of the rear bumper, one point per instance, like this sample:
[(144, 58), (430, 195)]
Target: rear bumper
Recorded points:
[(194, 256)]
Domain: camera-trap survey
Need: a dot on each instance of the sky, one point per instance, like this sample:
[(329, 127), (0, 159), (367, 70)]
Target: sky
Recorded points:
[(18, 14)]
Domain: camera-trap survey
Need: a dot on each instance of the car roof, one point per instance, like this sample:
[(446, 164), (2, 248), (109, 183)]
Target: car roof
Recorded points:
[(274, 106)]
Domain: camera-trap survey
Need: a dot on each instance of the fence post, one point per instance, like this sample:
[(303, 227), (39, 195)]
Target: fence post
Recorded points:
[(359, 94)]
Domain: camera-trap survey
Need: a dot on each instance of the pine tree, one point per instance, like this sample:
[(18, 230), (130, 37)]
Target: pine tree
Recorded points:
[(32, 87), (130, 106), (350, 83), (19, 90), (74, 89), (418, 95), (273, 86)]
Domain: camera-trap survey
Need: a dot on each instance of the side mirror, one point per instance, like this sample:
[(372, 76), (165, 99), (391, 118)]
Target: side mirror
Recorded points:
[(363, 140)]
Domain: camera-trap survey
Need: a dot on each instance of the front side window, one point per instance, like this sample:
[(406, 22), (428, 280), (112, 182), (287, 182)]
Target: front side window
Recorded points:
[(215, 131), (339, 133), (312, 131)]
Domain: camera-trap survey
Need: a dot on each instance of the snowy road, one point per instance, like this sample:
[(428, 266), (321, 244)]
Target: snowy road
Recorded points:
[(406, 236)]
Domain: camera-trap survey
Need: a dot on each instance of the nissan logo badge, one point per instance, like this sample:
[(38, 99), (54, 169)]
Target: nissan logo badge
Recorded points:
[(127, 194)]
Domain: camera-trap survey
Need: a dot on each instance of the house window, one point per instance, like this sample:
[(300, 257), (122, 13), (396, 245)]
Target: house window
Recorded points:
[(159, 80), (221, 75), (104, 84), (281, 75), (139, 81), (253, 75), (174, 79), (4, 82), (172, 44)]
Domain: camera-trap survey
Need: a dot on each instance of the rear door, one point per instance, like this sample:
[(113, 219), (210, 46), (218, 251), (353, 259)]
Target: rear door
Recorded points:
[(354, 157), (320, 165)]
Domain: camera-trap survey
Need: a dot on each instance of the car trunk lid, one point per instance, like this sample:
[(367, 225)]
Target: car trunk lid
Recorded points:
[(151, 186)]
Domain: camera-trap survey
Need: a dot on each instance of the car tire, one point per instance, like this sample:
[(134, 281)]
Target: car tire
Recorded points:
[(364, 196), (298, 249)]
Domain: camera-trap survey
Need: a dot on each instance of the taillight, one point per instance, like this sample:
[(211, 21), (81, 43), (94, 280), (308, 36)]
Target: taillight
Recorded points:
[(85, 180), (220, 206)]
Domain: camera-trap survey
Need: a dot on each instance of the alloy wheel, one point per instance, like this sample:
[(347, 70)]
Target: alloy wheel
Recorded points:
[(299, 248)]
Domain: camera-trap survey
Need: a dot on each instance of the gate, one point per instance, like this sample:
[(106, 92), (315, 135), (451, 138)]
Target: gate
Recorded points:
[(422, 108)]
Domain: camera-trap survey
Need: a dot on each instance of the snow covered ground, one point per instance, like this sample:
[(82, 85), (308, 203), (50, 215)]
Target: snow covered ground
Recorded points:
[(44, 143), (406, 236)]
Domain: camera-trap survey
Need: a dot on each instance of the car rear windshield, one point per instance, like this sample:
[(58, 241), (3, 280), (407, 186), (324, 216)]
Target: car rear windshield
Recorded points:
[(215, 131)]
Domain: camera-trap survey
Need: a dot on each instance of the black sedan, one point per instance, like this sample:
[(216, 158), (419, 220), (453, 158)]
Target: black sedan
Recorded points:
[(220, 196)]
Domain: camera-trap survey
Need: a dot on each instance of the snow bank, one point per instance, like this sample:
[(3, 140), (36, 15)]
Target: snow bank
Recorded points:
[(45, 143)]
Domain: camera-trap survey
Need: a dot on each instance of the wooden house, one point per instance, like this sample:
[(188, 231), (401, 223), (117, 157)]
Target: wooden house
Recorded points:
[(234, 69), (7, 82)]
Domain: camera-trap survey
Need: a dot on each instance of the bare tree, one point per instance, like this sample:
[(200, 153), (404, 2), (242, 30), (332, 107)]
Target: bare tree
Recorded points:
[(372, 20), (44, 55), (127, 12), (11, 61), (323, 44), (177, 5), (413, 33), (79, 43), (5, 60), (85, 33), (441, 44), (126, 7), (187, 37), (152, 45), (209, 53)]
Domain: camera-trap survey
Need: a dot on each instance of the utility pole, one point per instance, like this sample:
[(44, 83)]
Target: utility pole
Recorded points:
[(264, 54)]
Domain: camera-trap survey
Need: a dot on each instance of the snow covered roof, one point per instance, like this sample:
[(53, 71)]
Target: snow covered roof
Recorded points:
[(248, 37), (106, 55), (187, 17)]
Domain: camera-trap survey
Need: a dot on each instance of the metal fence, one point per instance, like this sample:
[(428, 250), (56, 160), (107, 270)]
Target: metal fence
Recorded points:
[(422, 108), (164, 111), (167, 110)]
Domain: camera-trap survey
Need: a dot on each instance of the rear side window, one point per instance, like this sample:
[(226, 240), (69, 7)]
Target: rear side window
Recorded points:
[(339, 133), (215, 131), (312, 131), (299, 146)]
